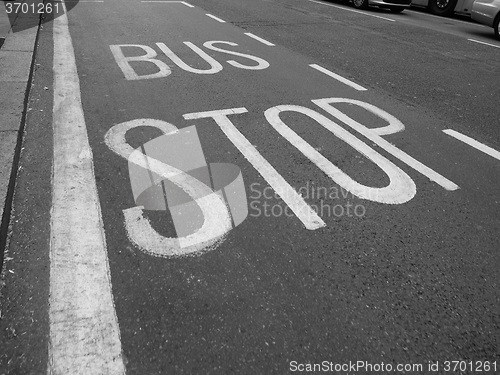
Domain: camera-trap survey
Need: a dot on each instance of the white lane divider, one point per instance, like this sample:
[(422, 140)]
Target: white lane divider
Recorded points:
[(84, 335), (215, 18), (472, 142), (267, 43), (338, 77), (488, 44), (352, 10), (167, 1)]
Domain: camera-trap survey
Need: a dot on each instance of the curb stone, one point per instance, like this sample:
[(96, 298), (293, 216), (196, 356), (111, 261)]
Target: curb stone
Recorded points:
[(16, 62)]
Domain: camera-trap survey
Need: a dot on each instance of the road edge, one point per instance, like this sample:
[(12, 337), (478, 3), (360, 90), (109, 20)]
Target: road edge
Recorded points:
[(17, 56)]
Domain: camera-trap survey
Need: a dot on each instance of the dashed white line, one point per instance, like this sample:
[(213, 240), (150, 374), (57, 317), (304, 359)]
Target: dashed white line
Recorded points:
[(84, 336), (352, 10), (167, 1), (215, 18), (472, 142), (488, 44), (267, 43), (338, 77)]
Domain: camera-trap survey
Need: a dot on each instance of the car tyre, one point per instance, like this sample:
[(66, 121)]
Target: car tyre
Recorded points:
[(360, 4), (396, 9), (442, 7), (496, 26)]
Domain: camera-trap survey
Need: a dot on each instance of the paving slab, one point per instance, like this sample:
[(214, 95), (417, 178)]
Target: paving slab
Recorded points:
[(14, 65), (16, 57), (20, 40)]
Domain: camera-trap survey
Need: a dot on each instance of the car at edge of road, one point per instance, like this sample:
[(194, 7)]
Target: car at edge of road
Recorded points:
[(487, 12), (445, 7), (395, 6)]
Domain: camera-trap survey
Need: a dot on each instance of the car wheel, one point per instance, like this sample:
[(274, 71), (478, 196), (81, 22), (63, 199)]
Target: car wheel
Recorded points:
[(496, 26), (360, 4), (442, 7), (396, 9)]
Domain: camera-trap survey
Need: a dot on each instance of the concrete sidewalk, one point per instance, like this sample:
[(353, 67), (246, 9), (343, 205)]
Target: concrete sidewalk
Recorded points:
[(4, 26), (16, 60)]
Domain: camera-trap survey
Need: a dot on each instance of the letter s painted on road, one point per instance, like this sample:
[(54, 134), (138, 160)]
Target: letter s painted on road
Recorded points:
[(216, 218)]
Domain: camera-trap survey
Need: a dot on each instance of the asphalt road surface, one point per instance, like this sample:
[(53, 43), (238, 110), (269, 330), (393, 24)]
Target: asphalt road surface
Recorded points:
[(256, 187)]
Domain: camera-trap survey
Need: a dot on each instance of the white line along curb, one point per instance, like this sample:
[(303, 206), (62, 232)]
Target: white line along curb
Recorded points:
[(472, 142), (258, 38), (215, 18), (339, 78), (487, 44), (84, 333)]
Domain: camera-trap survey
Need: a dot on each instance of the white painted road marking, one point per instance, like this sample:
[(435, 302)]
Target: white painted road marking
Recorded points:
[(300, 208), (267, 43), (217, 222), (375, 135), (215, 18), (401, 187), (472, 142), (261, 63), (352, 10), (338, 77), (84, 335), (488, 44), (167, 1)]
